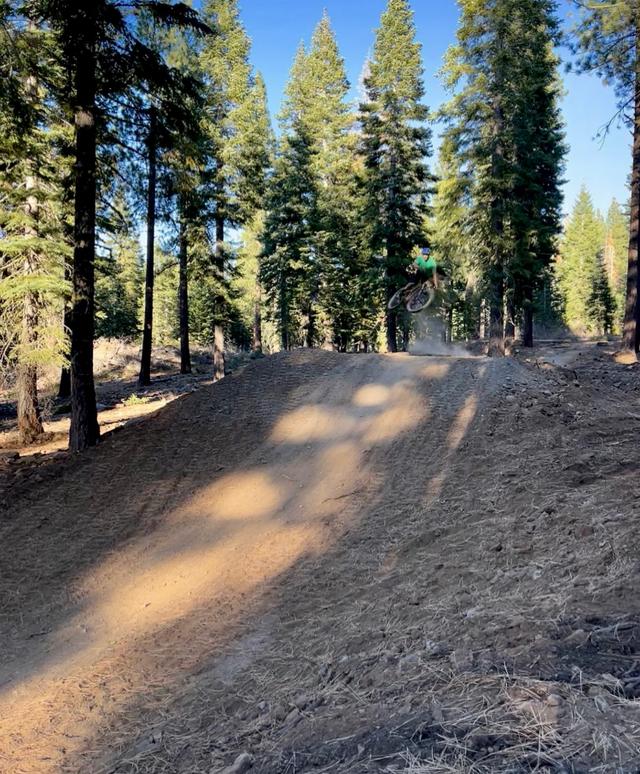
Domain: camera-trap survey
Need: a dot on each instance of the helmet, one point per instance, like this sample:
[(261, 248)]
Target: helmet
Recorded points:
[(426, 251)]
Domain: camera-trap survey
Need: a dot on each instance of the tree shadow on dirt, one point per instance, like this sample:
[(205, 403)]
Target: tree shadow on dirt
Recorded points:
[(129, 574)]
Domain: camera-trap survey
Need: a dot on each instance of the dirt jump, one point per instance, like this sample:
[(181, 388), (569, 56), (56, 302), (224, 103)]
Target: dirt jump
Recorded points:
[(336, 563)]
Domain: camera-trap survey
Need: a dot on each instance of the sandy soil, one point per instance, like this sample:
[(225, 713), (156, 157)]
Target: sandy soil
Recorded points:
[(336, 563)]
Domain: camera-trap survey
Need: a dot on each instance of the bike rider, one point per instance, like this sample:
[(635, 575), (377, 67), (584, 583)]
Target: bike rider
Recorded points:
[(423, 269)]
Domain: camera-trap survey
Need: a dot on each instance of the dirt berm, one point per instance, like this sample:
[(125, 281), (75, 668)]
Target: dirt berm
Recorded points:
[(336, 563)]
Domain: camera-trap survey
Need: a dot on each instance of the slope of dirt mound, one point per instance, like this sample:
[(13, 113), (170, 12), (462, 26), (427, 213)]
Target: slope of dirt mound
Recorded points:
[(336, 563)]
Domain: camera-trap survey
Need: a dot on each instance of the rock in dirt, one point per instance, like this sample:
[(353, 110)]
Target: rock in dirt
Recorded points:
[(578, 638), (241, 765), (408, 662), (436, 649), (462, 659)]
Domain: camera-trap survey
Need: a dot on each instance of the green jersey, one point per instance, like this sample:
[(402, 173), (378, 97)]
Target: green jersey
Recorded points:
[(426, 264)]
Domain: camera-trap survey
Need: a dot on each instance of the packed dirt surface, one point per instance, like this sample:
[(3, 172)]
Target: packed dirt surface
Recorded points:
[(336, 563)]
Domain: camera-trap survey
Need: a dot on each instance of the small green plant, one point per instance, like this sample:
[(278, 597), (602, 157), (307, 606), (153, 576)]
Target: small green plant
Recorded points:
[(135, 400)]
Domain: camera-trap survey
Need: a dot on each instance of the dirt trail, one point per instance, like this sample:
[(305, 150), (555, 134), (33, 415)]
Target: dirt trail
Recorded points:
[(328, 562)]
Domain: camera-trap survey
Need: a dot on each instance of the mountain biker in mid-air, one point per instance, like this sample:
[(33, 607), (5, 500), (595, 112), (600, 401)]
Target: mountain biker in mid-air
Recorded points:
[(423, 269), (422, 282)]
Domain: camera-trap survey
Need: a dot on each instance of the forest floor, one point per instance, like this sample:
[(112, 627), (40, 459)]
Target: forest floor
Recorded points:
[(120, 399), (336, 563)]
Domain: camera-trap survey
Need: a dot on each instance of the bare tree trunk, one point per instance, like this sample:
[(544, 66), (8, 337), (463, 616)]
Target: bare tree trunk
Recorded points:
[(218, 325), (496, 313), (84, 431), (406, 332), (64, 388), (631, 329), (482, 319), (29, 422), (310, 332), (257, 320), (510, 322), (183, 294), (144, 378), (391, 319), (527, 317), (284, 315)]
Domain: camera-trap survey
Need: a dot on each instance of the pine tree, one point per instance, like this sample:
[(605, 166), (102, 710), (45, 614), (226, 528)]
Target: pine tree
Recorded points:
[(506, 131), (395, 146), (608, 37), (232, 97), (288, 233), (316, 105), (452, 243), (615, 257), (33, 247), (104, 60), (336, 170), (601, 305), (577, 268)]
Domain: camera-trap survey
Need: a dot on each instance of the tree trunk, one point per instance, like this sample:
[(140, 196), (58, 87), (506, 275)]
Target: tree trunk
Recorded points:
[(496, 313), (29, 422), (64, 388), (257, 320), (510, 322), (391, 322), (406, 332), (84, 431), (218, 325), (527, 318), (310, 333), (144, 378), (284, 315), (183, 295), (631, 330)]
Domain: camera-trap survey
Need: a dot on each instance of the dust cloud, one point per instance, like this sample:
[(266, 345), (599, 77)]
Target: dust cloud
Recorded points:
[(430, 337)]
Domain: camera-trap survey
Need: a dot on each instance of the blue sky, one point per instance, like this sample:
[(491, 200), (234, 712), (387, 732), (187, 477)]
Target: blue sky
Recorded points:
[(276, 27)]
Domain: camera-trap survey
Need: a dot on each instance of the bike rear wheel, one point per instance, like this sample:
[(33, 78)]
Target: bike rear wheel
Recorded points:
[(396, 299)]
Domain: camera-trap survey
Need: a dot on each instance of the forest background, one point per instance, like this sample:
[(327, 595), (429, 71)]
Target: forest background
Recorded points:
[(147, 193)]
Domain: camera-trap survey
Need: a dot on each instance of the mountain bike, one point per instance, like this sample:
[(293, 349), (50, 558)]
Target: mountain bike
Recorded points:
[(415, 296)]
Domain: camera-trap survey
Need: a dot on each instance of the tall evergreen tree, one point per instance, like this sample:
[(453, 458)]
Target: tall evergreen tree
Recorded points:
[(316, 105), (615, 257), (608, 38), (104, 60), (601, 305), (33, 247), (288, 233), (578, 267), (395, 146), (335, 166), (453, 243), (505, 128), (225, 63)]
